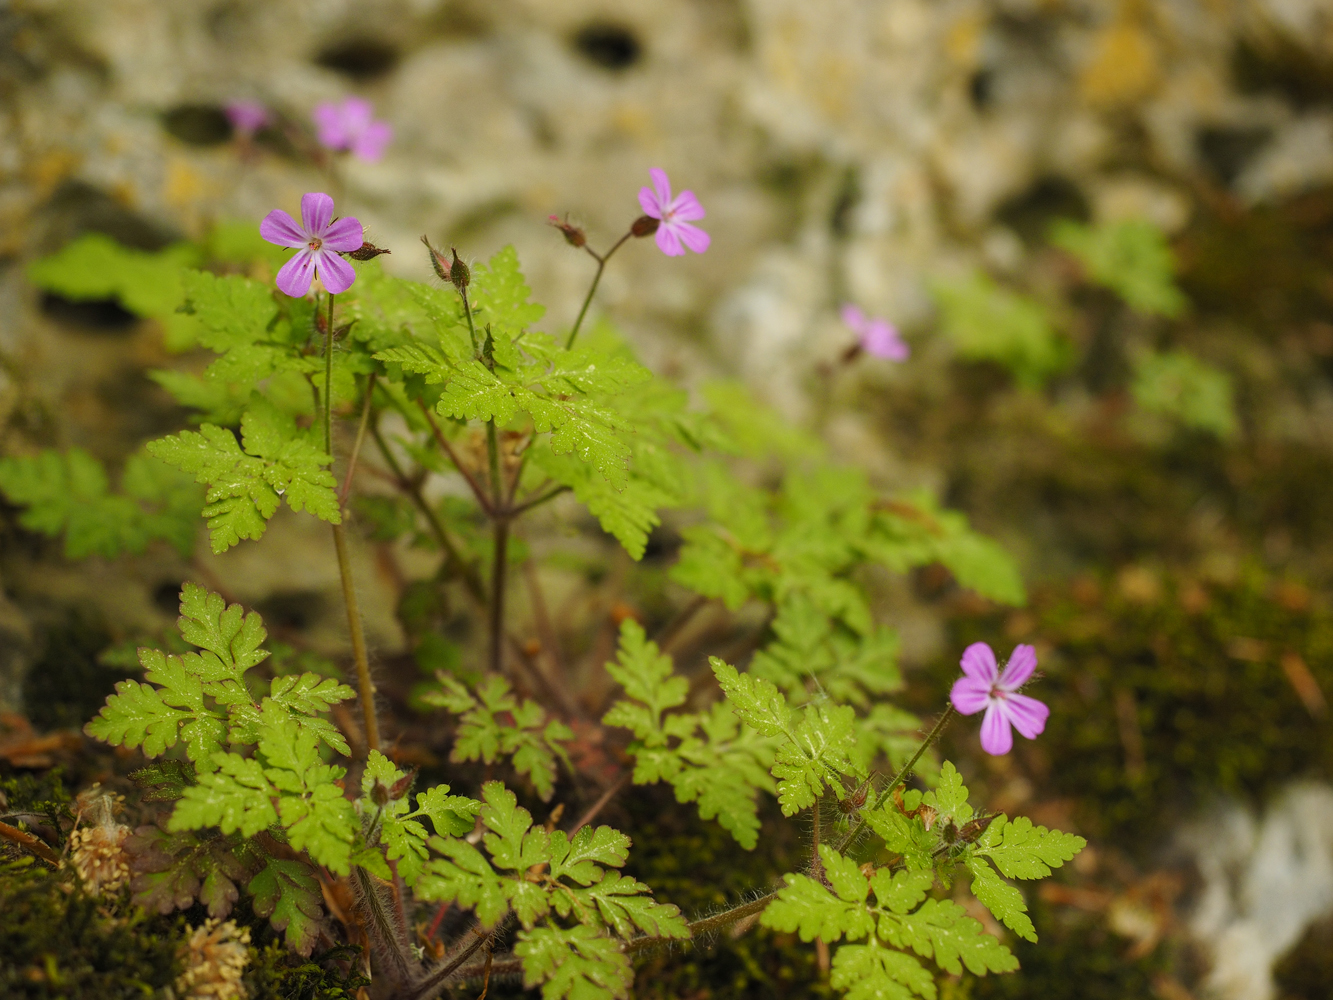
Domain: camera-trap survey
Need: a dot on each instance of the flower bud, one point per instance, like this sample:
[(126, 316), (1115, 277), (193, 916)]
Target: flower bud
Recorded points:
[(401, 787), (367, 251), (379, 793), (438, 261), (645, 225), (459, 273), (574, 236)]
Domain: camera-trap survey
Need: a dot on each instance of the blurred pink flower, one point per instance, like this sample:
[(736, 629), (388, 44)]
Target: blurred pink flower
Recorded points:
[(246, 117), (351, 125), (878, 337), (675, 215), (983, 686), (319, 240)]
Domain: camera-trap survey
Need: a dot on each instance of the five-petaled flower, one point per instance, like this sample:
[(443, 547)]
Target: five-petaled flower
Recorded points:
[(983, 686), (675, 215), (246, 117), (319, 239), (878, 337), (351, 125)]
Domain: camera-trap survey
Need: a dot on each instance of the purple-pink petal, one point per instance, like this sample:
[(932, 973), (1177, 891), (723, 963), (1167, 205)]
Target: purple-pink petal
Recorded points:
[(344, 236), (370, 144), (1022, 662), (686, 208), (978, 662), (692, 236), (294, 277), (996, 738), (648, 202), (316, 213), (880, 339), (246, 117), (329, 126), (969, 696), (1028, 715), (335, 273), (662, 185), (280, 228), (668, 242), (854, 318)]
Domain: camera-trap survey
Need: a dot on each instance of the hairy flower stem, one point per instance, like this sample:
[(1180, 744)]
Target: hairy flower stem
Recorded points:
[(497, 609), (467, 310), (466, 473), (901, 776), (388, 939), (451, 967), (365, 686), (592, 289)]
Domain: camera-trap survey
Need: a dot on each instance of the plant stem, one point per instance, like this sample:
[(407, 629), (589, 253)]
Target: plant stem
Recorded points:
[(30, 842), (526, 506), (600, 804), (379, 925), (471, 580), (365, 686), (592, 289), (439, 977), (493, 454), (497, 609), (360, 439), (900, 777), (447, 448), (708, 924), (328, 383), (467, 309)]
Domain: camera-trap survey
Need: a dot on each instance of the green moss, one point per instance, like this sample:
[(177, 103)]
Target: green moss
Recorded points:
[(59, 942)]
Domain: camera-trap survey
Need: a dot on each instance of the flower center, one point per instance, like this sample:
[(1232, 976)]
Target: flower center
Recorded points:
[(315, 243), (998, 692)]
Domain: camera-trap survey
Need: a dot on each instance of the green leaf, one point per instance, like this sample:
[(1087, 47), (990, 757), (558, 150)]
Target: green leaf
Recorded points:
[(819, 752), (627, 906), (513, 845), (760, 705), (949, 798), (1001, 898), (942, 929), (499, 295), (237, 796), (465, 877), (873, 972), (904, 835), (576, 962), (312, 808), (230, 638), (286, 893), (232, 311), (173, 870), (97, 267), (244, 487), (646, 674), (809, 908), (1021, 850), (451, 815), (136, 716), (578, 859)]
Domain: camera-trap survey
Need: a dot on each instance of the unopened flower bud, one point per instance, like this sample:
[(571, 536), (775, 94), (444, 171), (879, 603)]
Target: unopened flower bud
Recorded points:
[(438, 261), (645, 225), (367, 251), (574, 236), (401, 787), (459, 273), (379, 793)]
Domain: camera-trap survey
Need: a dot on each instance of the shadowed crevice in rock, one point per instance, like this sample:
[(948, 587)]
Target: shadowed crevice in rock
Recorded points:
[(611, 46), (198, 124), (359, 59)]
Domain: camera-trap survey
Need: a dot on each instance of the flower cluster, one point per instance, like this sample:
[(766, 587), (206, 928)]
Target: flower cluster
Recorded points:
[(216, 955)]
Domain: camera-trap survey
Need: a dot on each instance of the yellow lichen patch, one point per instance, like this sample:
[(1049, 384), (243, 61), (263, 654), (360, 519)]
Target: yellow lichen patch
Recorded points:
[(216, 955), (1123, 67)]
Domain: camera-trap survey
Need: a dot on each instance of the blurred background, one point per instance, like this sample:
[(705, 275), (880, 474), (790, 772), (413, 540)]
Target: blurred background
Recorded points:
[(1105, 227)]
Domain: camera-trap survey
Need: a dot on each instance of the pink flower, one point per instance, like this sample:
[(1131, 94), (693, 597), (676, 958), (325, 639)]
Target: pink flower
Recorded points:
[(675, 215), (246, 117), (351, 125), (319, 240), (878, 337), (984, 687)]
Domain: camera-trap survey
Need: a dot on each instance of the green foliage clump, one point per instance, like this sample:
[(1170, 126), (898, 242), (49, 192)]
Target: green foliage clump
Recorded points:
[(68, 494), (987, 322), (1132, 258), (1178, 385)]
